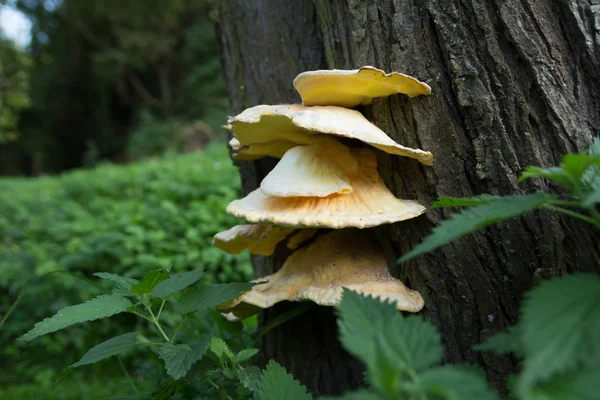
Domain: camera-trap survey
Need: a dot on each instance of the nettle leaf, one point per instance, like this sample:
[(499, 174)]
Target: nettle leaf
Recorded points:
[(205, 297), (476, 218), (176, 283), (100, 307), (276, 383), (179, 358), (245, 355), (503, 342), (121, 282), (460, 202), (112, 347), (560, 328), (580, 385), (249, 377), (555, 174), (387, 342), (456, 382), (220, 348), (150, 281)]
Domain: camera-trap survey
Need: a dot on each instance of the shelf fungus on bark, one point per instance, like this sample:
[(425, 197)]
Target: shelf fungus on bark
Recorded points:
[(351, 88), (351, 259), (254, 151), (316, 170), (298, 124), (257, 238), (369, 204)]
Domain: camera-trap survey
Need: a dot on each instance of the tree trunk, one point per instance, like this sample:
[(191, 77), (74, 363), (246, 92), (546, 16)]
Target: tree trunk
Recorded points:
[(514, 83)]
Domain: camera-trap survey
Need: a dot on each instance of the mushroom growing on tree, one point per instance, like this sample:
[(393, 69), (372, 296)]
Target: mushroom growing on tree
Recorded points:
[(299, 124), (351, 259), (351, 88), (318, 183)]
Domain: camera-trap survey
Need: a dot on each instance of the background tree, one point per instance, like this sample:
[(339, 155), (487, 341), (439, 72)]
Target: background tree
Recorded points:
[(116, 80), (514, 84)]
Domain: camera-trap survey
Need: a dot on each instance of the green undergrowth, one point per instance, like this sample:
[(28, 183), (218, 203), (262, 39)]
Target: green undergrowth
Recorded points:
[(56, 232)]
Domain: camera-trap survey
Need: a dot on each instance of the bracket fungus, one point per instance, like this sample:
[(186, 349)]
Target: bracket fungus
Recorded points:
[(298, 124), (319, 182), (257, 238), (369, 204), (316, 170), (349, 259), (351, 88)]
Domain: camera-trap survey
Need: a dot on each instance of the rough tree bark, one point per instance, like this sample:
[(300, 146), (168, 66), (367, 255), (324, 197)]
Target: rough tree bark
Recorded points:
[(514, 83)]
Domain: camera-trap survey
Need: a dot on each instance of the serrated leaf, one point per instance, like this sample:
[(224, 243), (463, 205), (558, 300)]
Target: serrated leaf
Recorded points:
[(100, 307), (555, 174), (179, 358), (276, 383), (387, 342), (249, 377), (150, 280), (580, 385), (456, 382), (176, 283), (460, 202), (112, 347), (205, 297), (475, 218), (503, 342), (245, 355), (121, 282), (560, 327), (220, 348)]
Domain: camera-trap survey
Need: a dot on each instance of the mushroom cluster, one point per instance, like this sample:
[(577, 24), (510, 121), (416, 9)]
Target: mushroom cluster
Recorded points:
[(322, 193)]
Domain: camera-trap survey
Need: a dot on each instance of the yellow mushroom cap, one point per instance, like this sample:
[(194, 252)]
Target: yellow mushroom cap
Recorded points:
[(350, 88), (369, 204), (298, 124), (317, 170), (257, 238), (349, 259)]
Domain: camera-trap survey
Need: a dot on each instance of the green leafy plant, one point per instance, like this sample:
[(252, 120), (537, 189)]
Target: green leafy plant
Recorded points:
[(57, 232), (557, 339), (578, 174), (146, 299)]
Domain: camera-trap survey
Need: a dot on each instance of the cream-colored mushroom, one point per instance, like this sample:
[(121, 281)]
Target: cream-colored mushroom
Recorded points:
[(369, 204), (257, 238), (350, 88), (298, 124), (316, 170), (351, 259)]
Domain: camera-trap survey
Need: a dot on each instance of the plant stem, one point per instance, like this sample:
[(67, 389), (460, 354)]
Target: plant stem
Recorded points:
[(157, 324), (178, 328), (571, 203), (135, 389), (142, 316), (213, 384), (160, 309), (11, 309), (572, 214)]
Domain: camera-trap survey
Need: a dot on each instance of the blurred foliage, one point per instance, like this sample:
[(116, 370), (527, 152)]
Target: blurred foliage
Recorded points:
[(100, 68), (55, 232), (14, 88)]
